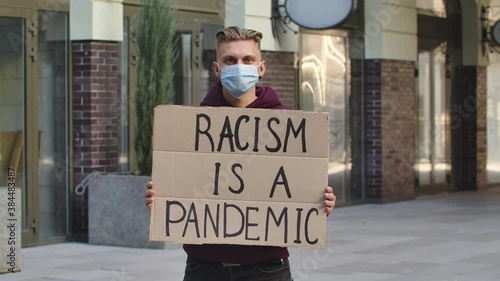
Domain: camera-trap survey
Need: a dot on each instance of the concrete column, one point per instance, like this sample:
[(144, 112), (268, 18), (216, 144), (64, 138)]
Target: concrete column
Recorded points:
[(391, 30), (471, 33), (96, 20), (255, 14)]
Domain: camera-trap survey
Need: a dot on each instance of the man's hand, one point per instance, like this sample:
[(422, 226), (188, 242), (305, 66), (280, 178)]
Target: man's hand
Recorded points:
[(329, 200), (149, 194)]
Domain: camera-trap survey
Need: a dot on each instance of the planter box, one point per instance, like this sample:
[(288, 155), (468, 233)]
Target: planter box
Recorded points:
[(117, 213), (10, 230)]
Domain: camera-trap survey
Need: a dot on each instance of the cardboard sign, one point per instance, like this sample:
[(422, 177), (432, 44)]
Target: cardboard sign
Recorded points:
[(227, 175)]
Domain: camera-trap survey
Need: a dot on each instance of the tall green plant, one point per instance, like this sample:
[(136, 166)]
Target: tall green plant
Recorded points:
[(156, 47)]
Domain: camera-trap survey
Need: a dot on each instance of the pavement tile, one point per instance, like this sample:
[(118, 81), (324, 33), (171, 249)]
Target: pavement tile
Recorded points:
[(490, 258), (485, 237), (448, 237), (484, 274)]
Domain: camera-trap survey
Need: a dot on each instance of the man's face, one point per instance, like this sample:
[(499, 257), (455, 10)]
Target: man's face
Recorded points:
[(239, 52)]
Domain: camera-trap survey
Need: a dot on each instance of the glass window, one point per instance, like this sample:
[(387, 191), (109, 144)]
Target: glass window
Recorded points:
[(323, 87), (53, 46), (432, 7)]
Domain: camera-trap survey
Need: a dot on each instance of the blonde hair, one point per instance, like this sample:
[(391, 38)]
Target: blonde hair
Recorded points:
[(235, 33)]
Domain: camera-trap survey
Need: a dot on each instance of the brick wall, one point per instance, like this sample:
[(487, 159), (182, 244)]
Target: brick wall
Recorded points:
[(356, 124), (95, 118), (373, 129), (389, 130), (398, 129), (473, 129), (482, 178), (281, 75)]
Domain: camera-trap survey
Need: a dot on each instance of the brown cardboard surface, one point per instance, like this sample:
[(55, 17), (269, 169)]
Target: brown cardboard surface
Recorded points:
[(253, 181), (198, 221), (267, 125), (239, 176)]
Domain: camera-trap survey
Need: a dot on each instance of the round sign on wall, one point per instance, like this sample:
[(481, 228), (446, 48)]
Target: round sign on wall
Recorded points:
[(496, 32), (319, 14)]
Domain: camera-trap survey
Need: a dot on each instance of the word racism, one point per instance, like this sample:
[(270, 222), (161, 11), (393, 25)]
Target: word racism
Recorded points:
[(233, 139), (240, 177)]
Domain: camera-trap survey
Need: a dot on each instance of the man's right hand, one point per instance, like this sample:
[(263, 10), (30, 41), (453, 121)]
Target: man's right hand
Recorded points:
[(149, 194)]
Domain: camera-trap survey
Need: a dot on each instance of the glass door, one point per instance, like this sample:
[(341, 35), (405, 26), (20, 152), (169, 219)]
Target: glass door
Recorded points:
[(208, 46), (183, 66), (324, 87), (127, 66), (493, 120), (52, 124), (15, 69), (196, 45), (193, 68), (433, 155), (34, 63)]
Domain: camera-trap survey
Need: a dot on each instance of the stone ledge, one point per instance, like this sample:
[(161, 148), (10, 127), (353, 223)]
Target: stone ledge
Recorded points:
[(117, 214)]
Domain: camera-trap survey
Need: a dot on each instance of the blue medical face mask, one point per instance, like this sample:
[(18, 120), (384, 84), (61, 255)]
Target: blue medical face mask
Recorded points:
[(238, 79)]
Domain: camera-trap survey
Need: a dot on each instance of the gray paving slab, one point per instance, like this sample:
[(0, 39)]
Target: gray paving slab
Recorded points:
[(450, 237)]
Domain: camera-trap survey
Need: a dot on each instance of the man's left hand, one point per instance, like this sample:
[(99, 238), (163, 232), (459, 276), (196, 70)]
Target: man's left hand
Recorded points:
[(329, 200)]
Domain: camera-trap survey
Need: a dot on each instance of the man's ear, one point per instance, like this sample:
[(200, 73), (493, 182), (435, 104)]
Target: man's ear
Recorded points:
[(262, 68), (216, 69)]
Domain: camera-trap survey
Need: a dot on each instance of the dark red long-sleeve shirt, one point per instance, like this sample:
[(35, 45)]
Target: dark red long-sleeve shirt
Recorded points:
[(266, 98)]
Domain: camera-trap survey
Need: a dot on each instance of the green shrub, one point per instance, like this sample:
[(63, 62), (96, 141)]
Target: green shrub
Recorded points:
[(156, 53)]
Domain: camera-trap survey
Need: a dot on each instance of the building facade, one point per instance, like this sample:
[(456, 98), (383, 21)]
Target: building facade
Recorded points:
[(411, 87)]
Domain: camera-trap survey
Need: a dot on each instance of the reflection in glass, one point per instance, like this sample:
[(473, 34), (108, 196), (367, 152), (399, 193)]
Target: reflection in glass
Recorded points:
[(208, 77), (493, 120), (440, 163), (183, 73), (323, 87), (433, 131), (423, 165), (53, 123), (12, 111), (124, 93), (432, 7)]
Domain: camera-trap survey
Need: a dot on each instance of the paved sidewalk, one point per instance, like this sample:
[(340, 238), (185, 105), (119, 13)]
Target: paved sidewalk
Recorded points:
[(451, 237)]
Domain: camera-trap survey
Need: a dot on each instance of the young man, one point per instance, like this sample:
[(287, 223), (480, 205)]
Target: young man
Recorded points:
[(239, 66)]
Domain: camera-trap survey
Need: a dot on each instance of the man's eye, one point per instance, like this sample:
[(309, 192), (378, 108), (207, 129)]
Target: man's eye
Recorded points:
[(248, 60), (229, 61)]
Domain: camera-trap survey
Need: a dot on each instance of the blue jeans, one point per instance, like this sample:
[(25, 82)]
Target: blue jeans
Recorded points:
[(201, 270)]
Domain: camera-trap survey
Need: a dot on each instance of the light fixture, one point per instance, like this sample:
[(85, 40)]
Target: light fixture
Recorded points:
[(311, 14), (280, 19), (495, 32), (320, 14), (490, 34)]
